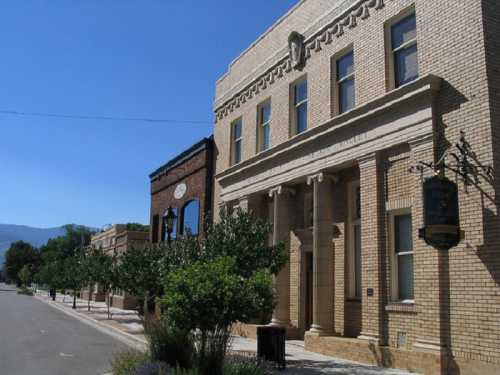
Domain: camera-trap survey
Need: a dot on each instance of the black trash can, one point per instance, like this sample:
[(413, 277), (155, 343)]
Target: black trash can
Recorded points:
[(271, 344)]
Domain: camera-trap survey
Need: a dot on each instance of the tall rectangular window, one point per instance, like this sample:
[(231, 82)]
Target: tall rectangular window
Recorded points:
[(345, 82), (300, 106), (236, 141), (264, 126), (403, 248), (404, 50)]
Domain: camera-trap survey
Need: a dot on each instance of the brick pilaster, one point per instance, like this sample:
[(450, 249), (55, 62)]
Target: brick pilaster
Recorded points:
[(372, 232)]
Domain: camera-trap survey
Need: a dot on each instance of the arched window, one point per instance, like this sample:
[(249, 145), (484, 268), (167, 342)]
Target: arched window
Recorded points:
[(191, 217)]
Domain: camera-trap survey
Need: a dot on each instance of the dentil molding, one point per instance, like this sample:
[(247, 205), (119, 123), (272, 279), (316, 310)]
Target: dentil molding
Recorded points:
[(337, 28)]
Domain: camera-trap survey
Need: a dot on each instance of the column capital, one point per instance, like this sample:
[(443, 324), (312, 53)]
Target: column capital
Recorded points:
[(279, 190), (320, 177)]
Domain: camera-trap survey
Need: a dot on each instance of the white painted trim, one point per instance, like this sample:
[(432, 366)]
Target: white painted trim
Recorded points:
[(394, 281)]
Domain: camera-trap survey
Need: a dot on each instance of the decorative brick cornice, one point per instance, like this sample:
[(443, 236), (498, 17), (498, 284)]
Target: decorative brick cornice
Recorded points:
[(325, 36)]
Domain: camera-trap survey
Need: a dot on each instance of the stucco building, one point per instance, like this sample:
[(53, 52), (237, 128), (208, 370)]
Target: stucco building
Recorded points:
[(318, 125), (185, 184)]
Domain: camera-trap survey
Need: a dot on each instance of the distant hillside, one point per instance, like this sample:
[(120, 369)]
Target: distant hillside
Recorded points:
[(35, 236)]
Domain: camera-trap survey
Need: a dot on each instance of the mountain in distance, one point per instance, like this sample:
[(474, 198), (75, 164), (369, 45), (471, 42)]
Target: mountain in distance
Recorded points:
[(35, 236)]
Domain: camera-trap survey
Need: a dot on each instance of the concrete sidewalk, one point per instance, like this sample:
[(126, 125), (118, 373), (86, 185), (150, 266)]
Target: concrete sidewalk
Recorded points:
[(126, 326), (302, 362)]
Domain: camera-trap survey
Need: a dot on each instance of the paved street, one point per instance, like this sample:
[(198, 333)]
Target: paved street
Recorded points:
[(37, 339)]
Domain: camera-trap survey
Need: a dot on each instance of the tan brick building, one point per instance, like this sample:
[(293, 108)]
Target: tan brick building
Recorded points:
[(115, 240), (317, 125)]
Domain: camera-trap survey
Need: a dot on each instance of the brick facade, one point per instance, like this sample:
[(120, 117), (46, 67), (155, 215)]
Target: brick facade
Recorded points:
[(194, 169), (453, 324), (116, 240)]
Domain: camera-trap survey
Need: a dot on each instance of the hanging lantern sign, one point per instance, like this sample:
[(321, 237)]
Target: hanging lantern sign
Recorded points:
[(441, 215)]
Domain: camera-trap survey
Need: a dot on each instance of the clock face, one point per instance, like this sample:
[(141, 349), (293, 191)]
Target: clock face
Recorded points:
[(180, 190)]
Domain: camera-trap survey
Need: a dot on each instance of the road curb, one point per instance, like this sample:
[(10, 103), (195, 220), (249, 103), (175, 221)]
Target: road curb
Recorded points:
[(124, 337)]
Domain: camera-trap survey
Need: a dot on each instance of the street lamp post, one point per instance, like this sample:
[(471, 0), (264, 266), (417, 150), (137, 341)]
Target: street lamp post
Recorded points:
[(170, 221)]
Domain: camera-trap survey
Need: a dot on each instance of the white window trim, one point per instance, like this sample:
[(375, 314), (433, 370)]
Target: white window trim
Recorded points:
[(352, 222), (295, 106), (261, 125), (236, 140), (390, 52), (394, 258)]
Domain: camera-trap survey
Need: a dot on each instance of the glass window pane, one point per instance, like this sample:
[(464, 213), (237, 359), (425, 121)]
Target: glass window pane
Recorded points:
[(404, 31), (237, 152), (406, 65), (300, 92), (403, 233), (191, 217), (265, 113), (357, 259), (237, 130), (265, 137), (345, 66), (405, 276), (346, 95), (301, 118)]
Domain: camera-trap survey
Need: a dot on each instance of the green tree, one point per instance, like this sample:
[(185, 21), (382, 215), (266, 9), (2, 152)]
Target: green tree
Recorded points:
[(230, 280), (210, 297), (139, 270), (19, 255), (105, 273), (25, 276), (56, 269), (246, 239)]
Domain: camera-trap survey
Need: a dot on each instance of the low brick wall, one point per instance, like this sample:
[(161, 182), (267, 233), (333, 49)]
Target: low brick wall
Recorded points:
[(366, 352)]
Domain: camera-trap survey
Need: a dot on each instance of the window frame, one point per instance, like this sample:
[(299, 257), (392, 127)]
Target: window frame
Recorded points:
[(183, 217), (353, 221), (235, 141), (338, 82), (261, 125), (394, 257), (294, 105), (391, 53)]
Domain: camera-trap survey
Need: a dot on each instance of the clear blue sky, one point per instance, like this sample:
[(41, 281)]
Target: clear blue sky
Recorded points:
[(127, 58)]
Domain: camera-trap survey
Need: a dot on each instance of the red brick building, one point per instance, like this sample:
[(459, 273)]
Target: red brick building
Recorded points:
[(185, 183)]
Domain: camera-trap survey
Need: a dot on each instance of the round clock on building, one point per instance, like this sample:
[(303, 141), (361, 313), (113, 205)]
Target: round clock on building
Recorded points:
[(180, 190)]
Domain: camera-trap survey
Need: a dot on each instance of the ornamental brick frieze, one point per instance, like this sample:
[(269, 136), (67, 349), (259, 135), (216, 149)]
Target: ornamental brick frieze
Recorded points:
[(325, 36)]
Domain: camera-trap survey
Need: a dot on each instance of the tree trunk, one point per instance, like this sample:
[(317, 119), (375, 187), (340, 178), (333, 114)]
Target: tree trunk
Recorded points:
[(88, 301), (107, 303), (74, 299), (146, 305)]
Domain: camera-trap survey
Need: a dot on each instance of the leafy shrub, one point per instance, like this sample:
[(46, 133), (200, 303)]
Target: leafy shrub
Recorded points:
[(152, 368), (168, 344), (25, 292), (126, 363)]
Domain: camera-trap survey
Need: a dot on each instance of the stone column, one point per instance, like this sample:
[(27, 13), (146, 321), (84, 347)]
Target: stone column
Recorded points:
[(322, 254), (281, 233), (372, 235), (431, 266)]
